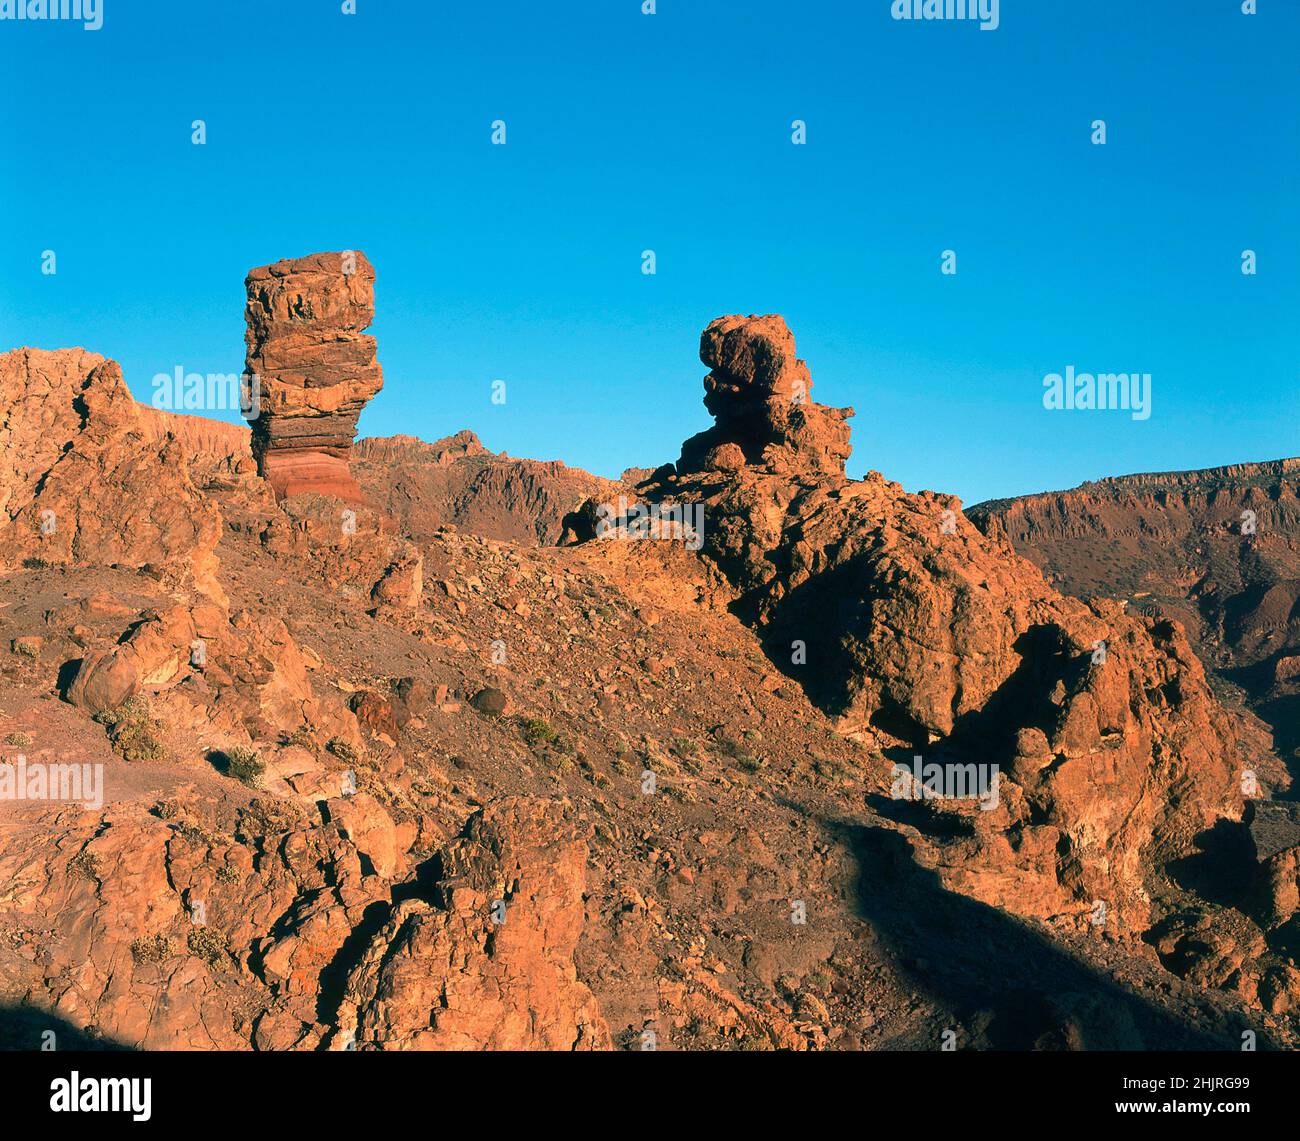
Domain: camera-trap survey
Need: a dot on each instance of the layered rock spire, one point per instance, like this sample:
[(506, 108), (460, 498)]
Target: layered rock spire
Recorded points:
[(316, 368)]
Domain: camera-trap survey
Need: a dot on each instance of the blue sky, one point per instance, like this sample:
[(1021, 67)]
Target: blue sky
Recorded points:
[(672, 132)]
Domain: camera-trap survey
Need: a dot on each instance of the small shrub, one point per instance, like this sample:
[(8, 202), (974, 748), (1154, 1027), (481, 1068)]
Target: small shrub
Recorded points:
[(735, 751), (85, 863), (819, 981), (621, 763), (152, 949), (753, 1043), (302, 738), (138, 743), (538, 732), (132, 709), (25, 649), (208, 944), (267, 816), (22, 740), (195, 834), (133, 731), (245, 765), (828, 768), (342, 749)]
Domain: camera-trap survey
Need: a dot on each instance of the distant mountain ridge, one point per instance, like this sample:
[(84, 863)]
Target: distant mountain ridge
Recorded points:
[(1216, 548), (458, 481)]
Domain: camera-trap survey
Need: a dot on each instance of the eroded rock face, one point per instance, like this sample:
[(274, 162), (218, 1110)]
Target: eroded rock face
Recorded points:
[(351, 549), (165, 931), (315, 365), (758, 392), (358, 664), (86, 478), (219, 455), (178, 928), (452, 977)]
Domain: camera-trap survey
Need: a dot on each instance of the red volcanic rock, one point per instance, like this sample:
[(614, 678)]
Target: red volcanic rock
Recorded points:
[(87, 477), (156, 654), (367, 824), (253, 671), (492, 967), (375, 714), (316, 368), (113, 893), (915, 629), (403, 582), (759, 394)]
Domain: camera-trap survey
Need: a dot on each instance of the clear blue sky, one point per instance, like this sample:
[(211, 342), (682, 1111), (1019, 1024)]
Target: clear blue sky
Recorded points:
[(672, 132)]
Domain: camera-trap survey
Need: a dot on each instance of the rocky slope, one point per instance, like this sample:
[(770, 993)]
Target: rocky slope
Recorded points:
[(422, 486), (920, 634), (363, 788)]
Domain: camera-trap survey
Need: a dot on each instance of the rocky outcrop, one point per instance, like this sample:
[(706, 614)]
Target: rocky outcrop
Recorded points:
[(1275, 840), (458, 481), (351, 549), (490, 966), (86, 477), (453, 792), (315, 367), (917, 631), (173, 929), (759, 395), (243, 673)]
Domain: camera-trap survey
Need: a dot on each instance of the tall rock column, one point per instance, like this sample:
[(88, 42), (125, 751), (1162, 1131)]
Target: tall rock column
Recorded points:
[(316, 368)]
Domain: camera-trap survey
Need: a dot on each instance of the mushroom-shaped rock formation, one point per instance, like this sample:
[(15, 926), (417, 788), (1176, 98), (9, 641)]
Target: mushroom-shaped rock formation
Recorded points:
[(759, 395)]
